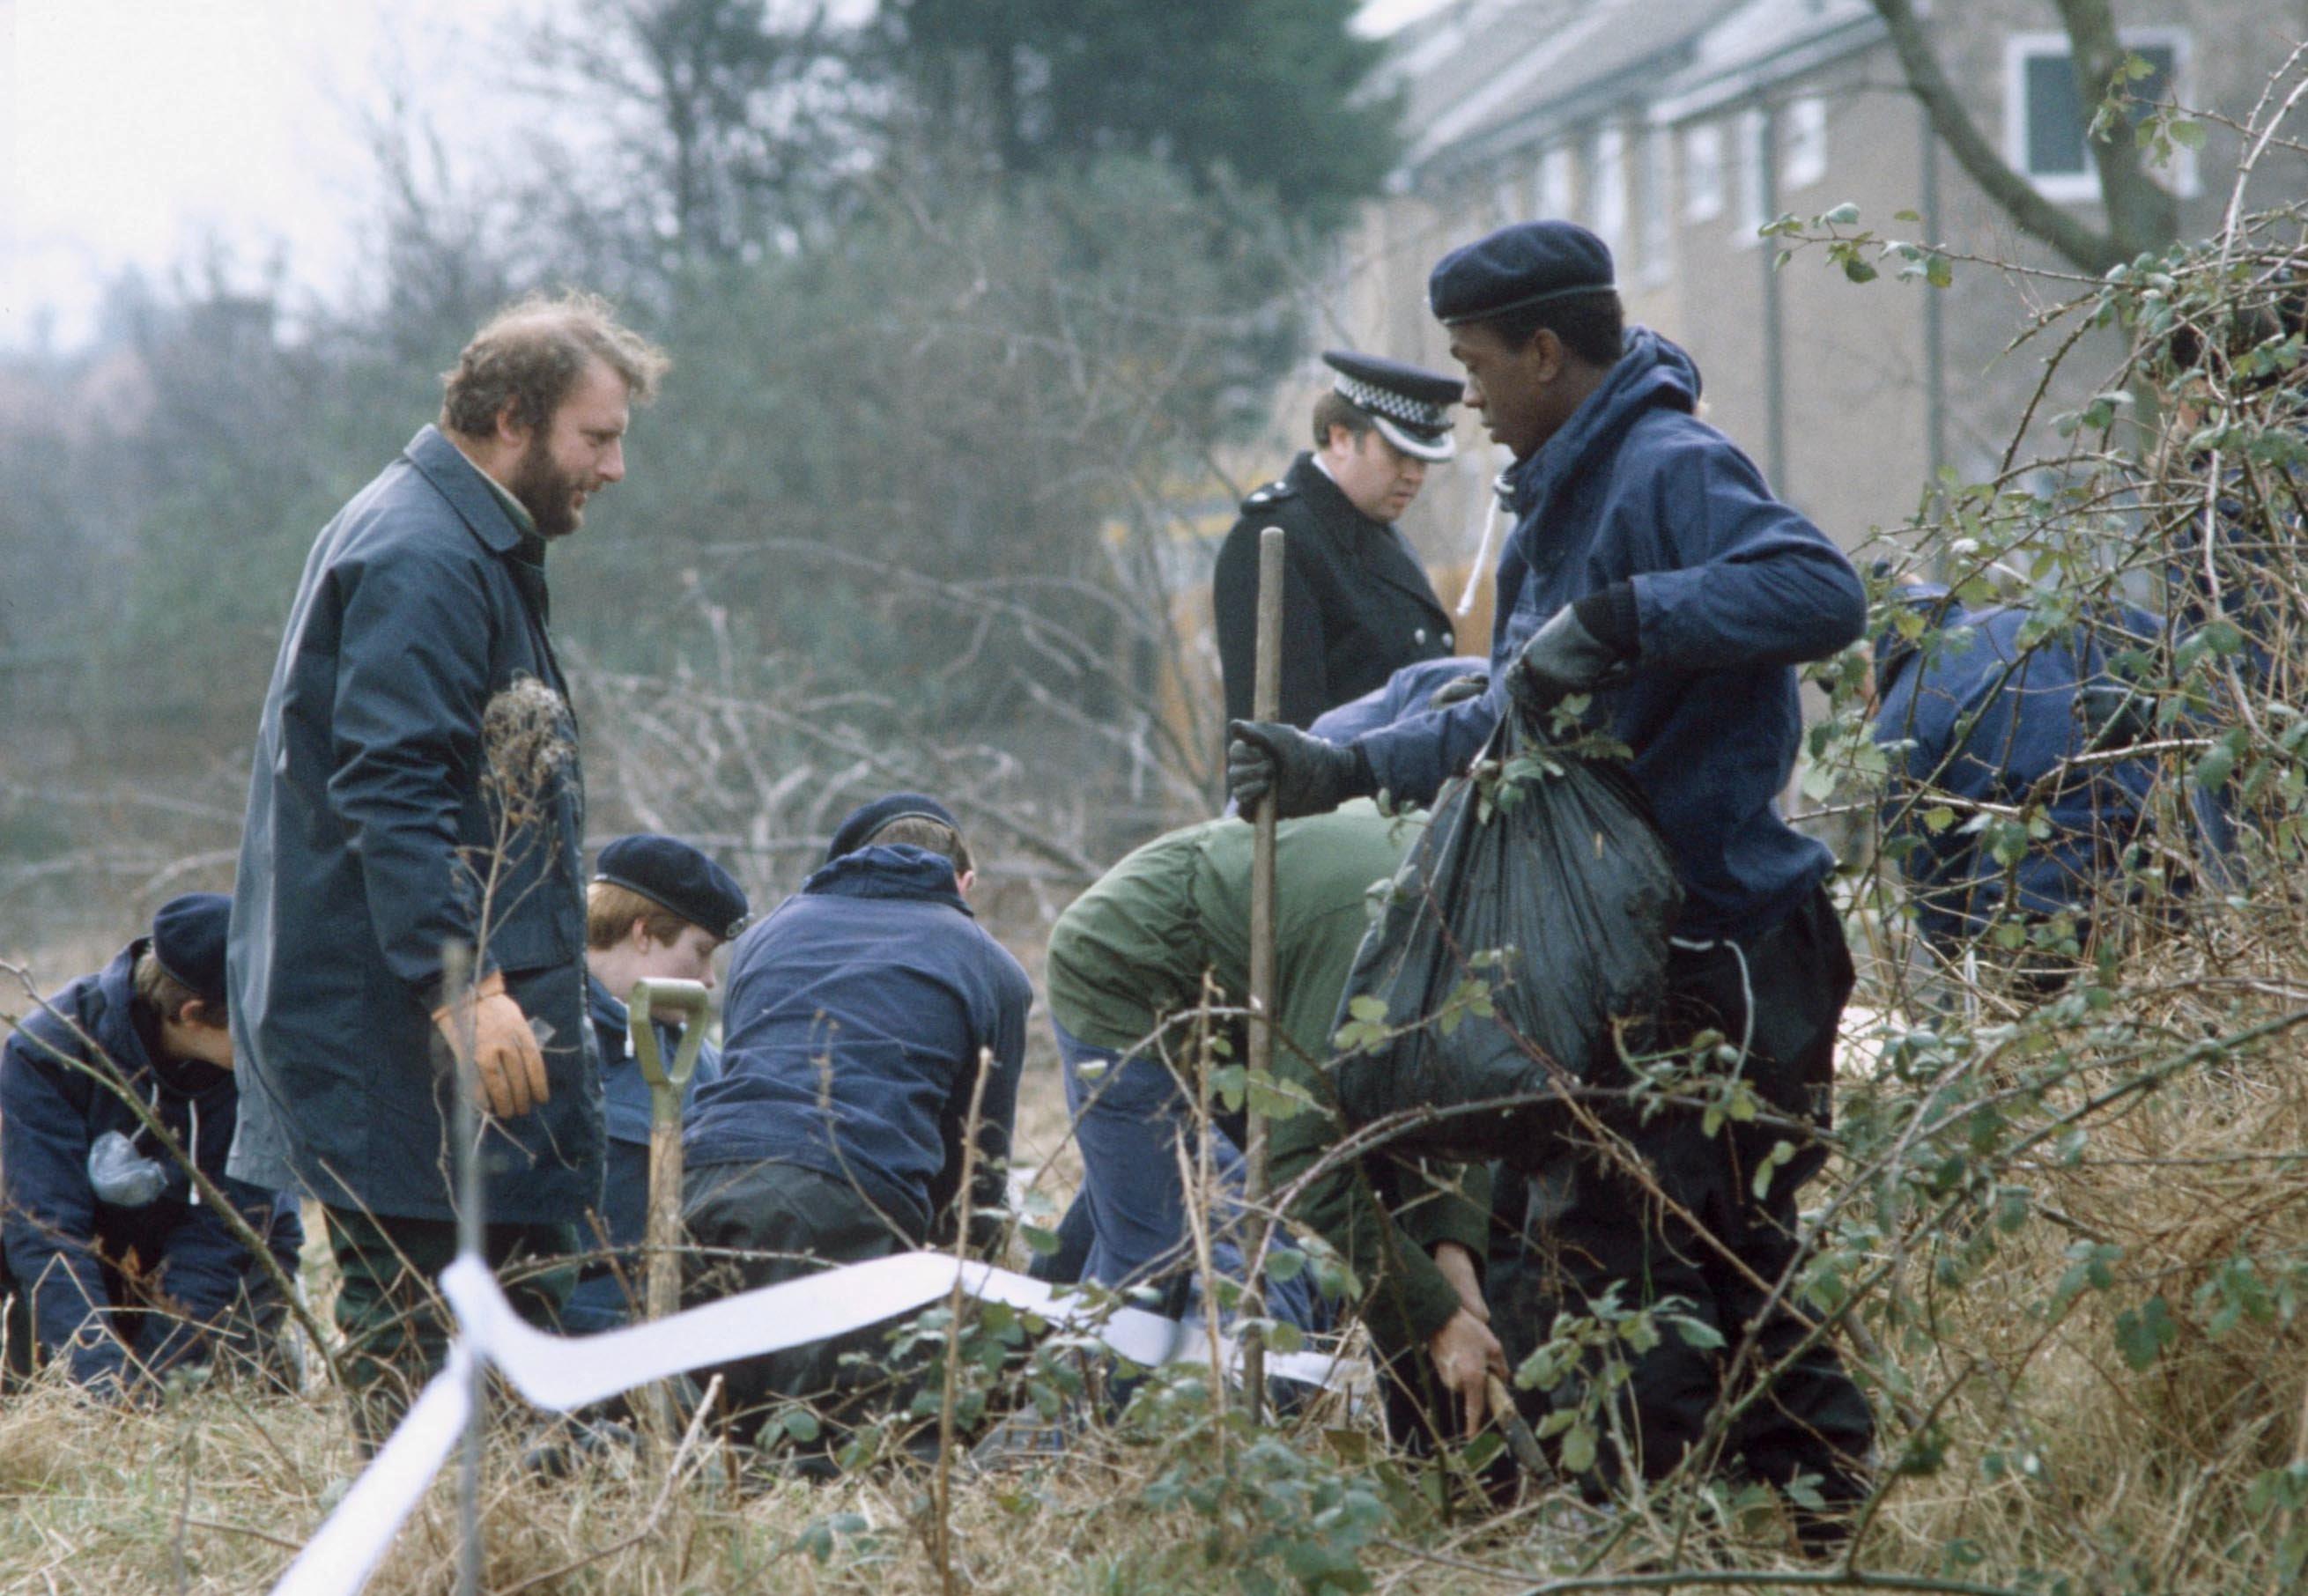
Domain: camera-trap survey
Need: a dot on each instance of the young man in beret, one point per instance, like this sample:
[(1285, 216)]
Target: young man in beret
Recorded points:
[(658, 910), (1651, 570), (127, 1269), (1356, 605), (864, 1018)]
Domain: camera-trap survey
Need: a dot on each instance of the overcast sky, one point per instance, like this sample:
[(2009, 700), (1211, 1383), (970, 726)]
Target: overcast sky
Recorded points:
[(149, 132)]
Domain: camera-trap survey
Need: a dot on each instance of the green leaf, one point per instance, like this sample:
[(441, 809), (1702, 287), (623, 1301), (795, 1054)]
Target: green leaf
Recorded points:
[(1579, 1447), (1859, 271), (1842, 216), (1041, 1242), (2143, 1333), (1699, 1334)]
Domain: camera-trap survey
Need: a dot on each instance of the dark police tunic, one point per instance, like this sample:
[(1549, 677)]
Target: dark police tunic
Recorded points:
[(1356, 604)]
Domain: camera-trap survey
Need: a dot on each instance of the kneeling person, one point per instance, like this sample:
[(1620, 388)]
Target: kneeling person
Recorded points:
[(860, 1016), (657, 910), (127, 1268), (1129, 957)]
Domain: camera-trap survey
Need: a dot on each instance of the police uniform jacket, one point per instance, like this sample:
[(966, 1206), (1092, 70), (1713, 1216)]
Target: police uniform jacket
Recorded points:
[(373, 840), (1356, 604), (61, 1239)]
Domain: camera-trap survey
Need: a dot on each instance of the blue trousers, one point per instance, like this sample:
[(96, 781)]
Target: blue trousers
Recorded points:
[(1128, 1226)]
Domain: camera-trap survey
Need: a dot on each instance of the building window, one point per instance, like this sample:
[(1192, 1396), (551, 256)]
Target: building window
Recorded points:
[(1606, 187), (1803, 158), (2047, 121), (1658, 232), (1702, 173), (1556, 198), (1754, 174)]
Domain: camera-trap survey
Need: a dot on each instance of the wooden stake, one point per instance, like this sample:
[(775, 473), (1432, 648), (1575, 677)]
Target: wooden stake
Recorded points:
[(1266, 704)]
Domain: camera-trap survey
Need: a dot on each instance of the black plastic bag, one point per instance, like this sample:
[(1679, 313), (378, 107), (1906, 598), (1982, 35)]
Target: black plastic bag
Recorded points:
[(1531, 916)]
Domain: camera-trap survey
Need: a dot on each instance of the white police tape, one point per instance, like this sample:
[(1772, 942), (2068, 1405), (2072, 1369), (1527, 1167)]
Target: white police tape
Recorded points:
[(565, 1372)]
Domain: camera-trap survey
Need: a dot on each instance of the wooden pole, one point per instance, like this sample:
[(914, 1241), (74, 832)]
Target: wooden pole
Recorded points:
[(1266, 704)]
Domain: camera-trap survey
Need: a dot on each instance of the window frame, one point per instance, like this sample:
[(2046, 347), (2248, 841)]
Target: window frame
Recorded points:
[(1803, 143), (1655, 213), (1555, 184), (1755, 153), (1606, 186), (2179, 175), (1702, 204)]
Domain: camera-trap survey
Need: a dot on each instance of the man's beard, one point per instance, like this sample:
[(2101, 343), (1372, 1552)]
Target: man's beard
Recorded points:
[(544, 490)]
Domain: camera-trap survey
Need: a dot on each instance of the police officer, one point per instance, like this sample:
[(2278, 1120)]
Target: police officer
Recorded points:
[(1357, 605), (1651, 569)]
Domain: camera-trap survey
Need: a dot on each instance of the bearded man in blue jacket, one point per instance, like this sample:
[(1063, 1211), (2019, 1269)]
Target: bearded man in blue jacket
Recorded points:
[(1651, 569), (415, 785), (127, 1269), (864, 1017)]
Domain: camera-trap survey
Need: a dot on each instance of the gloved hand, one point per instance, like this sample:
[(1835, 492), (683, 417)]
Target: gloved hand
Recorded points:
[(1473, 685), (2112, 716), (1307, 774), (1569, 655), (508, 1064), (121, 1176)]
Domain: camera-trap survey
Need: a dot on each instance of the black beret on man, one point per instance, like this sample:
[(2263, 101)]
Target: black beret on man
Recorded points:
[(1516, 267), (188, 941), (858, 829), (670, 873), (1409, 405)]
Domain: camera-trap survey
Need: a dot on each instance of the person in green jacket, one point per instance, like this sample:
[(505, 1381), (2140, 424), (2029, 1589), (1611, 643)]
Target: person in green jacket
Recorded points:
[(1128, 958)]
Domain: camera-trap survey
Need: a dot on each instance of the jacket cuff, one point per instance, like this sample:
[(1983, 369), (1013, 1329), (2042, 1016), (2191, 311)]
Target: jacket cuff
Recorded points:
[(1405, 1312), (1612, 619)]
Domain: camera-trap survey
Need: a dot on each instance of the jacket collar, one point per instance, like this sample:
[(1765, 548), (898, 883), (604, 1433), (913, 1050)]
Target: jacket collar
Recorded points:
[(889, 869), (1314, 486), (459, 481), (1651, 372)]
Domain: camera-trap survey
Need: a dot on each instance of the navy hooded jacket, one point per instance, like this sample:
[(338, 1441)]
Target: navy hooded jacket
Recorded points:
[(1733, 590), (1985, 714), (856, 1017), (372, 839), (59, 1237)]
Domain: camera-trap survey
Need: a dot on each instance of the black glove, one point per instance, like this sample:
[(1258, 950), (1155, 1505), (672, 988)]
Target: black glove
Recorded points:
[(1458, 690), (1582, 647), (1306, 775), (2112, 715)]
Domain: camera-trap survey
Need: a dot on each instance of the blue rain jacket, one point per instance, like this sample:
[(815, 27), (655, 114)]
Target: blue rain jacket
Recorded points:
[(1404, 696), (60, 1239), (851, 1036), (1981, 716), (369, 832), (1732, 589)]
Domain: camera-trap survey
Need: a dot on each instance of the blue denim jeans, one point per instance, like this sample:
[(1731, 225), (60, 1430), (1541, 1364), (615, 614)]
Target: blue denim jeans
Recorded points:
[(1131, 1116)]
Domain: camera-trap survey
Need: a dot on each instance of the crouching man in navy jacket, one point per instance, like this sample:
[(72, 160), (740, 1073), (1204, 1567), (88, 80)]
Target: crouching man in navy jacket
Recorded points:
[(128, 1269), (860, 1017)]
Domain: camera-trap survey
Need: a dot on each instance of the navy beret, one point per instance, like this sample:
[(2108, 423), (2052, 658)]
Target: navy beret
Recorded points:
[(867, 819), (188, 941), (1516, 267), (1410, 405), (671, 873)]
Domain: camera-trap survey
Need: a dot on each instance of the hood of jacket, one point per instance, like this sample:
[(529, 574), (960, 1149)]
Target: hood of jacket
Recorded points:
[(115, 1031), (889, 870), (1651, 371)]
